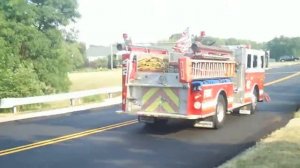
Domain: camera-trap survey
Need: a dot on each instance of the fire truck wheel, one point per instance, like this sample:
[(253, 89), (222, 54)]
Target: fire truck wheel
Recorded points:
[(219, 117)]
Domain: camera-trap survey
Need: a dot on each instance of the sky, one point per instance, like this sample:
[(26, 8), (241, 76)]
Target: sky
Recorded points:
[(103, 22)]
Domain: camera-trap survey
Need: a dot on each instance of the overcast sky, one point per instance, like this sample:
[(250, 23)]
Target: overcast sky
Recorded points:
[(104, 21)]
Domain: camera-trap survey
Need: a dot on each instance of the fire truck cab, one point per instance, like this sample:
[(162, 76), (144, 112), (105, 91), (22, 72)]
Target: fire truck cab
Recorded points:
[(202, 85)]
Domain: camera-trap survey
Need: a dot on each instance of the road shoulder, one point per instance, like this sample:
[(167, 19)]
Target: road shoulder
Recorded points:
[(279, 149)]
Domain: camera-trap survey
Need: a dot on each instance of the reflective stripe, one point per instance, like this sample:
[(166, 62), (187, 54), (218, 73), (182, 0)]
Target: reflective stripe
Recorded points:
[(209, 104), (149, 94), (154, 105), (160, 100), (167, 107), (172, 96)]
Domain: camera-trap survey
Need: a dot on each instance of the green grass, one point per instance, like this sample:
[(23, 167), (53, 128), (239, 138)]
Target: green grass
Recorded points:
[(280, 149), (95, 98), (297, 114), (44, 106)]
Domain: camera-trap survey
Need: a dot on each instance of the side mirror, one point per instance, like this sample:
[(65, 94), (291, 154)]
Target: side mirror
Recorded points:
[(119, 47)]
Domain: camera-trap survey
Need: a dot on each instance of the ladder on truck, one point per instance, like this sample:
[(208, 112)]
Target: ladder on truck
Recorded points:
[(204, 69), (207, 62)]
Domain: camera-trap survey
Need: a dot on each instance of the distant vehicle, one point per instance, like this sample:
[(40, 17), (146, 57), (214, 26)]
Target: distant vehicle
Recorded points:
[(288, 58)]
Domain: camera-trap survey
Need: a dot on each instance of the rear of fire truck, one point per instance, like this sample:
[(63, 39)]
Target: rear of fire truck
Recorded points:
[(158, 85), (151, 86)]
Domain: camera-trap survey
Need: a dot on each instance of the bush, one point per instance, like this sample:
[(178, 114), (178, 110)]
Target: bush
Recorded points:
[(99, 63), (20, 82)]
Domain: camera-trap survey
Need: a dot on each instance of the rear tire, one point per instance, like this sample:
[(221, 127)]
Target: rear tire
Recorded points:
[(219, 117)]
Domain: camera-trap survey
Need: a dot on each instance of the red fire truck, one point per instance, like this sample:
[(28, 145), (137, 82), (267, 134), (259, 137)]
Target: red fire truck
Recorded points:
[(202, 85)]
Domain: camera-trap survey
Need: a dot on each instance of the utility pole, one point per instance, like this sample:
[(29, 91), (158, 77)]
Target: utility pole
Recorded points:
[(111, 57)]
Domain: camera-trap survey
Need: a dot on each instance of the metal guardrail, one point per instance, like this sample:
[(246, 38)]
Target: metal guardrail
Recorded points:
[(72, 96)]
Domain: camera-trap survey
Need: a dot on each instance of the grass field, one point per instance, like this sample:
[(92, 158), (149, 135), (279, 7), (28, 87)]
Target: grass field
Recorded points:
[(95, 80), (297, 114), (279, 150), (87, 81)]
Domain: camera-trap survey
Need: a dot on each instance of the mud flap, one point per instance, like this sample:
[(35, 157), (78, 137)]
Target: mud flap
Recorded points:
[(266, 97)]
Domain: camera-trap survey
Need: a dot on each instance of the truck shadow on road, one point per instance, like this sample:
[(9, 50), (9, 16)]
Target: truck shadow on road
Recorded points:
[(171, 127)]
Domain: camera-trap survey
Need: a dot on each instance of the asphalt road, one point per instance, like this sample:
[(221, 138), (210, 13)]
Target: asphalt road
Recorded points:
[(177, 145)]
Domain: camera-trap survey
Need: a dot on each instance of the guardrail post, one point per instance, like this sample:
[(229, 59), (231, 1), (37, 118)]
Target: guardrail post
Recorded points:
[(72, 102), (15, 110), (109, 95)]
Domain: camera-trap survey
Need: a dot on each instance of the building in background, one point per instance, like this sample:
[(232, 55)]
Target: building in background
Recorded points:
[(96, 52)]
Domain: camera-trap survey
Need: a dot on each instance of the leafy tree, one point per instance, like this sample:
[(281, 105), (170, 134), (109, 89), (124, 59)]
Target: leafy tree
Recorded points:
[(281, 46), (16, 72), (231, 41), (99, 63), (77, 57), (54, 13), (295, 46), (213, 41), (12, 83), (175, 37), (70, 35), (32, 54), (76, 50)]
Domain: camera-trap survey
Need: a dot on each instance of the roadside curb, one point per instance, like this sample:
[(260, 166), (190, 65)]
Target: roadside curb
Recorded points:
[(108, 102)]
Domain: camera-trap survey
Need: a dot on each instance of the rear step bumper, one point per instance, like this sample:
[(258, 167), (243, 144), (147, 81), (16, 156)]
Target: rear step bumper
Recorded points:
[(168, 115)]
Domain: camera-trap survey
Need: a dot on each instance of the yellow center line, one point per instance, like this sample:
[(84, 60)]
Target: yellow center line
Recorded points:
[(276, 73), (282, 79), (65, 138), (93, 131)]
